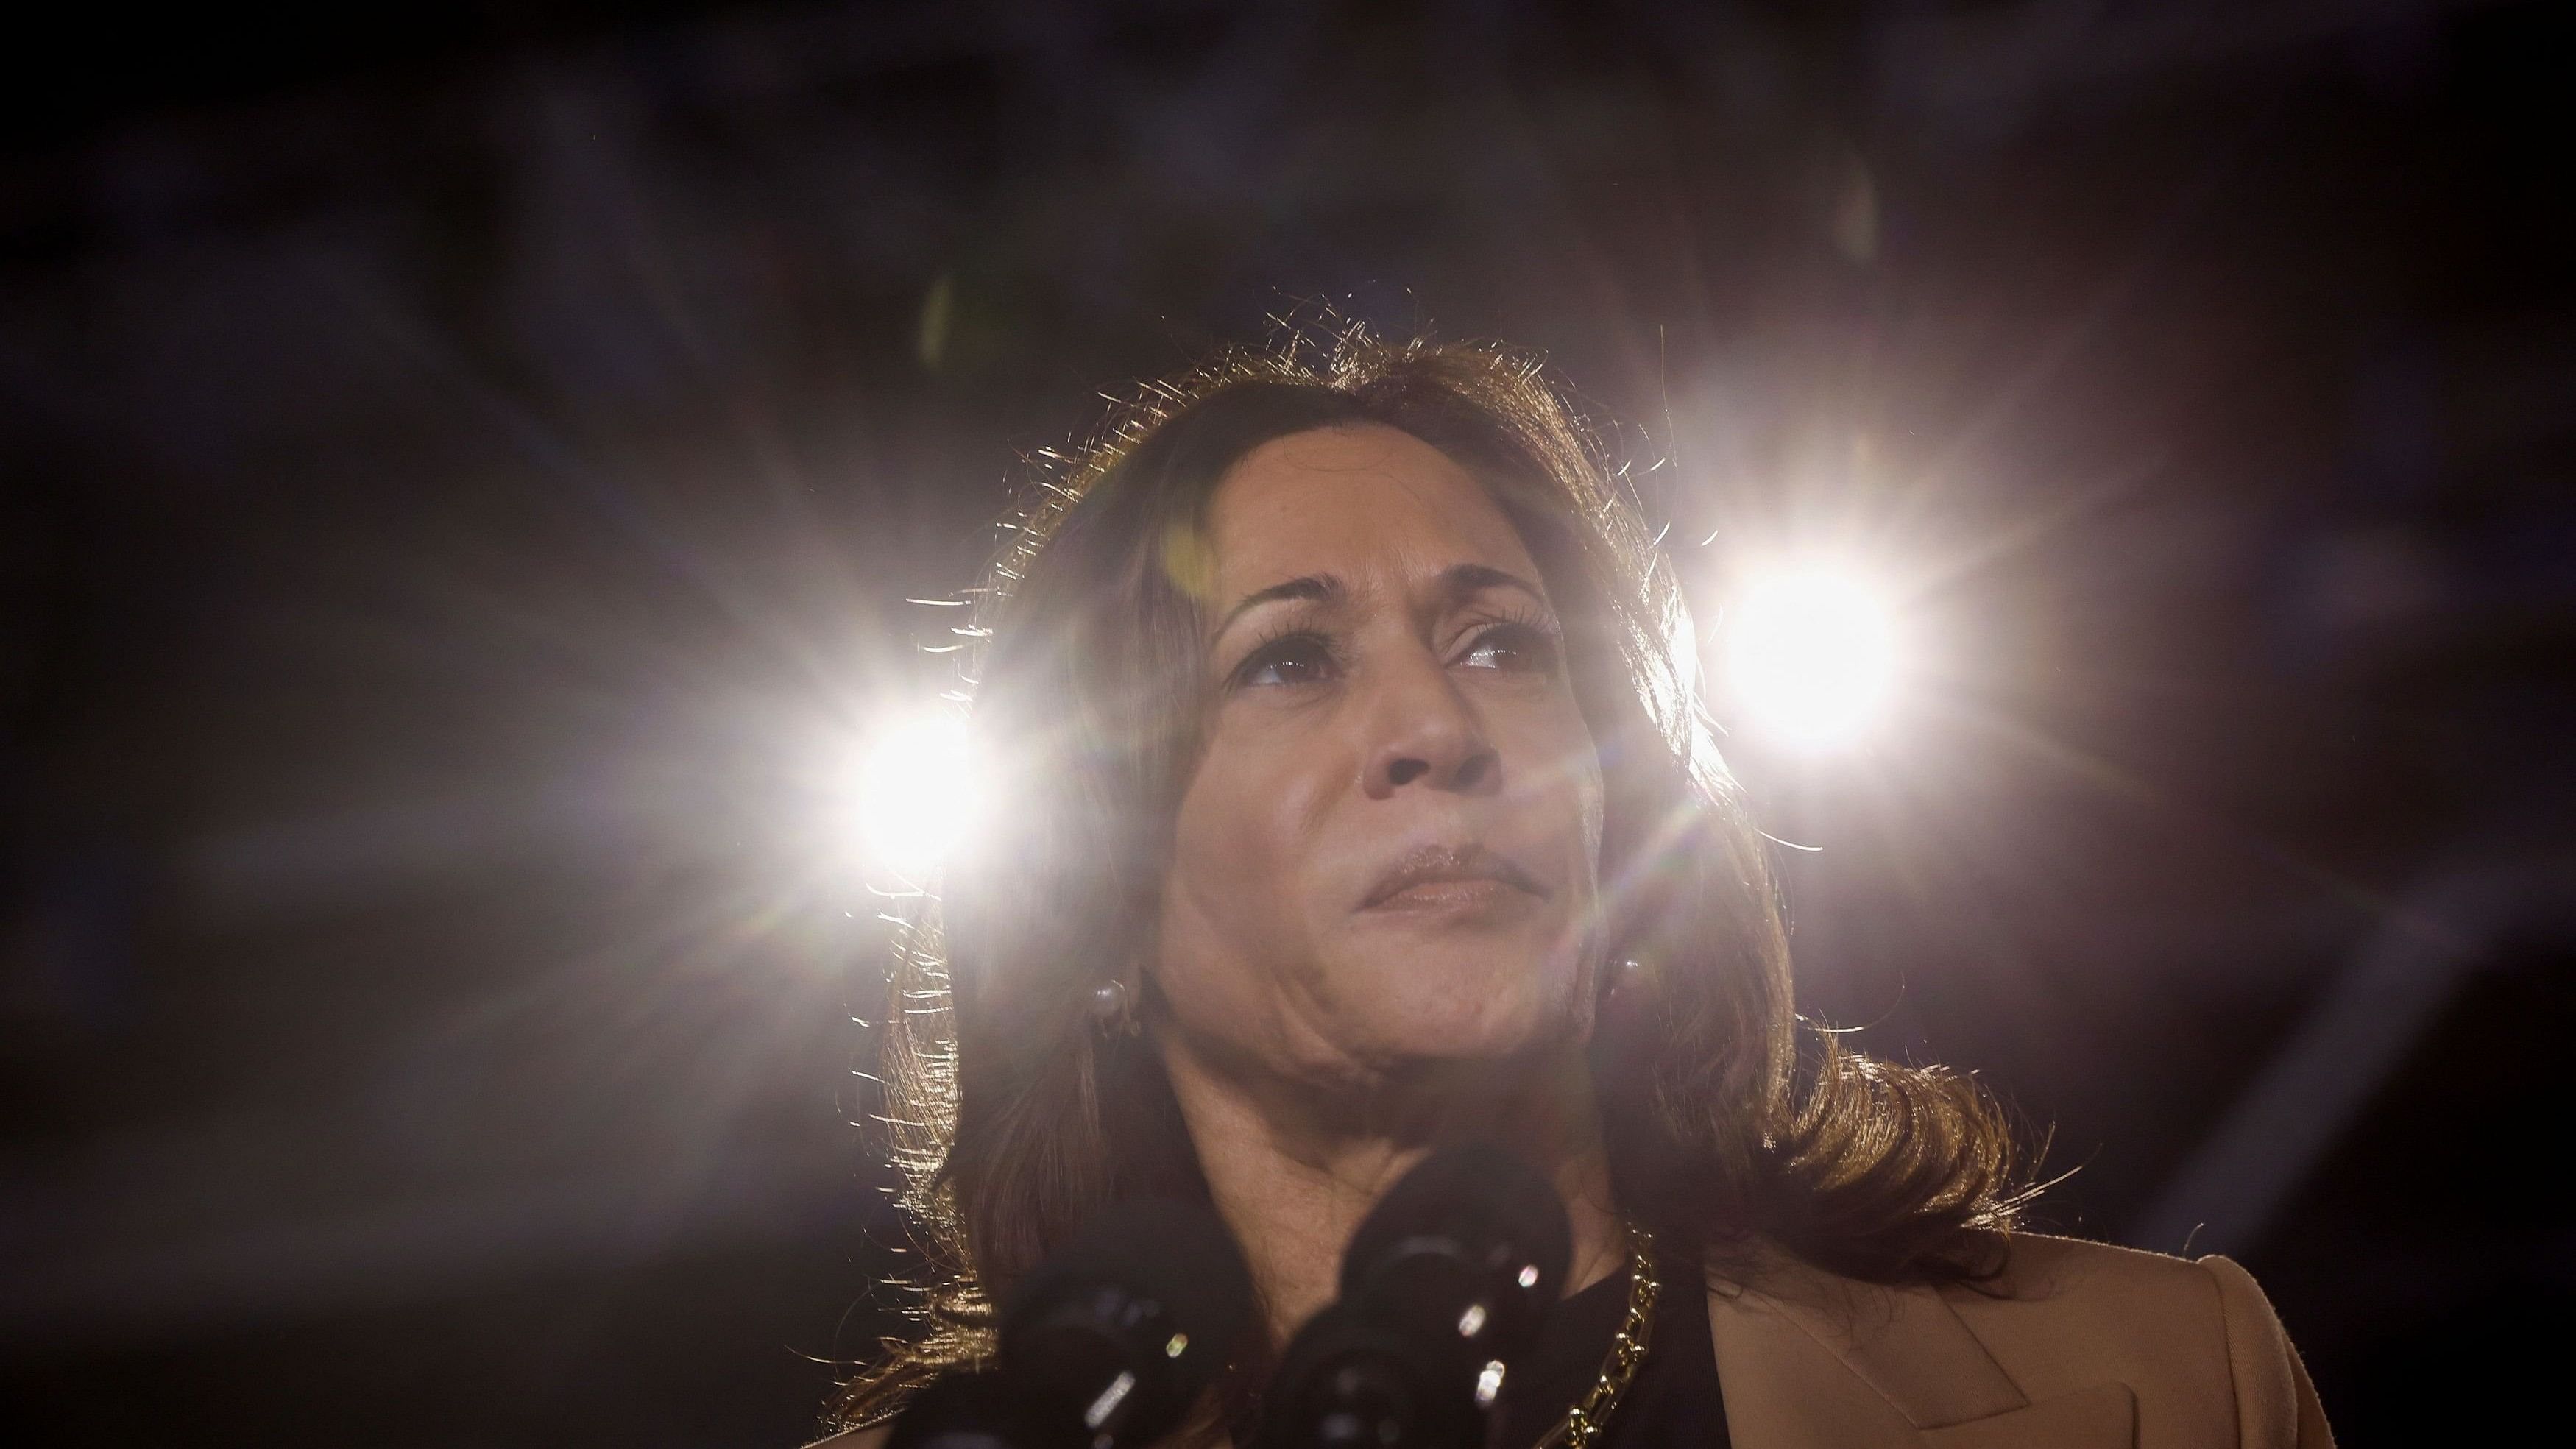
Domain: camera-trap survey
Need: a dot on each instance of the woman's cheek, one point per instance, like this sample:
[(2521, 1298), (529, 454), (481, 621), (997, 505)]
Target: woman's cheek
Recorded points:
[(1237, 868)]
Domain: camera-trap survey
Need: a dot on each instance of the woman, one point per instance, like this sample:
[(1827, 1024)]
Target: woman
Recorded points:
[(1360, 801)]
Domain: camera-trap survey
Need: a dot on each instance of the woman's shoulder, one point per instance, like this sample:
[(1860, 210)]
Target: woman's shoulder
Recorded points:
[(2062, 1296), (2047, 1276), (2064, 1308), (2195, 1344)]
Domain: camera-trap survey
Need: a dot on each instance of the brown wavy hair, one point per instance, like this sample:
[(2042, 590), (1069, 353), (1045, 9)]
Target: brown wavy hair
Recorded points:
[(1730, 1121)]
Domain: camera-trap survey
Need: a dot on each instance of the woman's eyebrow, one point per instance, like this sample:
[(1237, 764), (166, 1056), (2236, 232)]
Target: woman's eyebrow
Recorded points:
[(1460, 580), (1318, 587)]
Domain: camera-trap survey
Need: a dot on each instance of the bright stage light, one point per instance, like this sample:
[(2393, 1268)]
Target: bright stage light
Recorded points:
[(1811, 656), (921, 792)]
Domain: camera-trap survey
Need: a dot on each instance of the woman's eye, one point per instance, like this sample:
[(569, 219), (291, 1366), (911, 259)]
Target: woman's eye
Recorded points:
[(1517, 647), (1297, 659)]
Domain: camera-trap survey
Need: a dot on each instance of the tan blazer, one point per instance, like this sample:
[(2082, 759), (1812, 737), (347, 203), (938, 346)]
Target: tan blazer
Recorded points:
[(2078, 1346)]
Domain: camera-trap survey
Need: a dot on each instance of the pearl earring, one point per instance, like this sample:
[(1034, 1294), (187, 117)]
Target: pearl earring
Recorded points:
[(1111, 1012)]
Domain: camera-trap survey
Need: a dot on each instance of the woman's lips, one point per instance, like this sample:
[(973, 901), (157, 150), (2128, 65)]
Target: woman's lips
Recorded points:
[(1447, 878)]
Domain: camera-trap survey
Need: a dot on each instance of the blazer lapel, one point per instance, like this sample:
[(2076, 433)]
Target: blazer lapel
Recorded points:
[(2104, 1415), (1808, 1360)]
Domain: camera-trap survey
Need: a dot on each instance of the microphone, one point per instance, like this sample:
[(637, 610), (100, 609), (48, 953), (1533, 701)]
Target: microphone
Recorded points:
[(1444, 1283), (1122, 1330), (1105, 1346), (1470, 1249), (1348, 1381)]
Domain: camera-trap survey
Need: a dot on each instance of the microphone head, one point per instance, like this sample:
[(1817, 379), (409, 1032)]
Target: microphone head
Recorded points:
[(1469, 1249), (1349, 1380), (1129, 1323)]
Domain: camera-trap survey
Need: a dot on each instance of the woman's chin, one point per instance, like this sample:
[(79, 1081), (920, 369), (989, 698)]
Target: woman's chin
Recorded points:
[(1445, 1007)]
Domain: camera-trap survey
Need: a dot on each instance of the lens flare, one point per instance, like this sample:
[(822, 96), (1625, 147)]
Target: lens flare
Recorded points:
[(921, 793), (1811, 656)]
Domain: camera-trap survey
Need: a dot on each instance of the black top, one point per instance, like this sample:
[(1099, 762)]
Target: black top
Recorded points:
[(1674, 1399)]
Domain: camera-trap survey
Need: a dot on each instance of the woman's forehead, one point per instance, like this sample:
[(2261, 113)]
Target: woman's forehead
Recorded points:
[(1366, 504)]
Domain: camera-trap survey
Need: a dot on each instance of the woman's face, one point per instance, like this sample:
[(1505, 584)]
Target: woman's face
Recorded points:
[(1388, 852)]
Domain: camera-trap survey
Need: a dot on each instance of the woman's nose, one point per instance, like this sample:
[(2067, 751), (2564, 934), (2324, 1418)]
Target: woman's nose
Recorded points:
[(1426, 735)]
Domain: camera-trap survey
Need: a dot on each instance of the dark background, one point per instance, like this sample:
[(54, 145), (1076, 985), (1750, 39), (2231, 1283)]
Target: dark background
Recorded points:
[(465, 465)]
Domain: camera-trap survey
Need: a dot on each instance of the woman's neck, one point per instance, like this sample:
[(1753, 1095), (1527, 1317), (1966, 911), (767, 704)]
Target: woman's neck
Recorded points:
[(1292, 1173)]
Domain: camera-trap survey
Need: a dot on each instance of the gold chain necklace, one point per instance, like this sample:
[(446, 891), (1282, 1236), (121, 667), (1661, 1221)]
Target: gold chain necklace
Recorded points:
[(1591, 1414)]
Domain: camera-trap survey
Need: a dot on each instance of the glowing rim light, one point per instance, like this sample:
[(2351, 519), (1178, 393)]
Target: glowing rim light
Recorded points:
[(1811, 656), (921, 792)]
